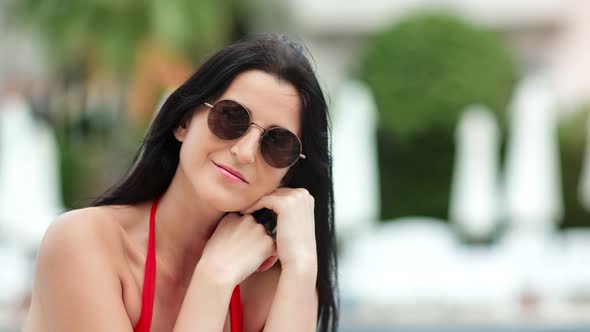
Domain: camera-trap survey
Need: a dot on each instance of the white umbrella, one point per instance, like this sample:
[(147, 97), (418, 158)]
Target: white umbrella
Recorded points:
[(356, 187), (533, 185), (30, 194), (474, 195)]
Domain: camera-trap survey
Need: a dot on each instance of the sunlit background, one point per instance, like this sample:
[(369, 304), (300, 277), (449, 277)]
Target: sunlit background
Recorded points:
[(460, 129)]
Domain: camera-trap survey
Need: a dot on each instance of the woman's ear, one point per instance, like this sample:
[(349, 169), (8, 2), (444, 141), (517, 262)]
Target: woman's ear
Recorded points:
[(180, 132), (182, 129)]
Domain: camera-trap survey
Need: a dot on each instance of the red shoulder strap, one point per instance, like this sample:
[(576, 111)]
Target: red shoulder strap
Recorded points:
[(235, 310), (149, 278), (149, 286)]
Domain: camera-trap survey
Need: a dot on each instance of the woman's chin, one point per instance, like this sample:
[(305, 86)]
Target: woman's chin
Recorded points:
[(227, 204)]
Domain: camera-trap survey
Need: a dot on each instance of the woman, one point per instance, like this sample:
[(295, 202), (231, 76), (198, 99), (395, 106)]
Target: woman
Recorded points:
[(248, 131)]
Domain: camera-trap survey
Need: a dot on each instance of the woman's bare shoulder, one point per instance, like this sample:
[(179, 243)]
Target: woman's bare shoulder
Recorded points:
[(77, 268), (89, 234), (83, 229)]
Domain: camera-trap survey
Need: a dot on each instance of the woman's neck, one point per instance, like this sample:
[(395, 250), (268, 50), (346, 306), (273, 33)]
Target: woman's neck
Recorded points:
[(184, 224)]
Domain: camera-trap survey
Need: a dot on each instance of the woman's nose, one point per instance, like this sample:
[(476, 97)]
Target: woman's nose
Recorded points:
[(246, 147)]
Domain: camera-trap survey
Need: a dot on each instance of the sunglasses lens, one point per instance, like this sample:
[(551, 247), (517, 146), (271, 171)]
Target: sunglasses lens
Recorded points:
[(228, 120), (280, 147)]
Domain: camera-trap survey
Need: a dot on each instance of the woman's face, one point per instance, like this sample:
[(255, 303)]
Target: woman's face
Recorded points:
[(271, 103)]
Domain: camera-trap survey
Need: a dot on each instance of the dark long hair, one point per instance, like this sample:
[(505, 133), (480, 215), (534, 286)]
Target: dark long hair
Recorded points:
[(158, 156)]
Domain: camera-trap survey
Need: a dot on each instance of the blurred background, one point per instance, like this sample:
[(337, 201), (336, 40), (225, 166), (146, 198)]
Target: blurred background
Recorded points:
[(460, 141)]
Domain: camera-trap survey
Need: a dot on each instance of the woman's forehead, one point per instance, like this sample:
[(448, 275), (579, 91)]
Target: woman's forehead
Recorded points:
[(270, 100)]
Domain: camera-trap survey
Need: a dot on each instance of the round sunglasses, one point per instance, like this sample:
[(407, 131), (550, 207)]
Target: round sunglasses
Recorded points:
[(230, 120)]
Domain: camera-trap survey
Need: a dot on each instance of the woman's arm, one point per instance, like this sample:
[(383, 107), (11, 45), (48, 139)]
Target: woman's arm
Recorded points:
[(236, 249), (295, 304), (77, 284), (206, 302)]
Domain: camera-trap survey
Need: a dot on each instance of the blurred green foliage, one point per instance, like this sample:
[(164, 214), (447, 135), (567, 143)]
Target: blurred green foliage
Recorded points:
[(415, 173), (103, 39), (108, 32), (573, 130), (426, 69), (423, 72), (95, 149)]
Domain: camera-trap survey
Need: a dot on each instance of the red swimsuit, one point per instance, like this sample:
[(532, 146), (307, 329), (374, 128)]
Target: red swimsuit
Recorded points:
[(149, 286)]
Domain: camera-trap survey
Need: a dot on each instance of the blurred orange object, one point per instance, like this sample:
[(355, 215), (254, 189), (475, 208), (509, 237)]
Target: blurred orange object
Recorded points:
[(157, 70)]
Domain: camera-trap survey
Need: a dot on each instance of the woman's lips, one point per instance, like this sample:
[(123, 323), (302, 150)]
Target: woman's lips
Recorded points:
[(228, 174)]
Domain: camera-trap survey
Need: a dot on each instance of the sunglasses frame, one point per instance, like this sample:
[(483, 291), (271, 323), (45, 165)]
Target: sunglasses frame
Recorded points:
[(264, 131)]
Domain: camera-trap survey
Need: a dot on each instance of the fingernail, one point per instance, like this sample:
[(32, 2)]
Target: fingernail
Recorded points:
[(266, 263)]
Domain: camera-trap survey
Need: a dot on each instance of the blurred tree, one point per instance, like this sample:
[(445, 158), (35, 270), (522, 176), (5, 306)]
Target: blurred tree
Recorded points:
[(424, 71), (135, 50), (150, 44), (107, 33)]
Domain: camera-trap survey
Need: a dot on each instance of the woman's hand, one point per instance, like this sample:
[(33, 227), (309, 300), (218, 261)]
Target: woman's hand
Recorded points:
[(295, 232), (237, 248)]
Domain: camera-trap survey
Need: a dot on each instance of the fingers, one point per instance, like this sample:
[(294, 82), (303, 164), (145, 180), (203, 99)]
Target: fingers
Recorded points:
[(282, 198), (243, 242), (268, 202), (260, 232)]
